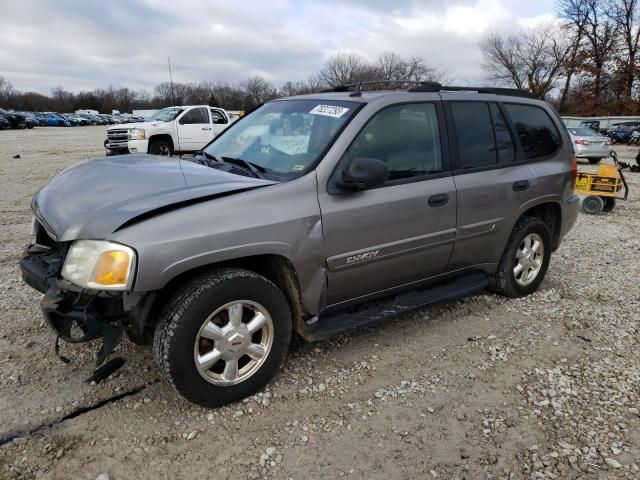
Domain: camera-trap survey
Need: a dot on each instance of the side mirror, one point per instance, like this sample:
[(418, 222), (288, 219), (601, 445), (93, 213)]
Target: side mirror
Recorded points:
[(363, 173)]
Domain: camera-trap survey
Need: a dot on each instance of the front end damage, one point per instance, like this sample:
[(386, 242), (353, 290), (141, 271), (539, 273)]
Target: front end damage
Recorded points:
[(80, 315)]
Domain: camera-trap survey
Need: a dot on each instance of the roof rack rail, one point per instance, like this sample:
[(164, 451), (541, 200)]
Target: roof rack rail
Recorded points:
[(428, 86)]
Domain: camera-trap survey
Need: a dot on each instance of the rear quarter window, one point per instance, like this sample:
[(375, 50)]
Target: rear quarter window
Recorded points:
[(538, 134)]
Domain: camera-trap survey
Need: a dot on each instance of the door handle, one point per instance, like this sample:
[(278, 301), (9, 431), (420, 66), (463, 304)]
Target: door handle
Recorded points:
[(438, 200), (521, 186), (206, 128)]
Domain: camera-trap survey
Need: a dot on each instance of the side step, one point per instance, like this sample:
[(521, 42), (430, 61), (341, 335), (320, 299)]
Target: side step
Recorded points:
[(369, 314)]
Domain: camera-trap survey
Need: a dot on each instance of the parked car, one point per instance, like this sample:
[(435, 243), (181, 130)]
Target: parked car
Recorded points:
[(71, 119), (4, 123), (15, 119), (589, 144), (30, 119), (81, 120), (315, 214), (171, 130)]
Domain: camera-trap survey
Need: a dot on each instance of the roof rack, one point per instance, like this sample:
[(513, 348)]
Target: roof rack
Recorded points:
[(428, 86)]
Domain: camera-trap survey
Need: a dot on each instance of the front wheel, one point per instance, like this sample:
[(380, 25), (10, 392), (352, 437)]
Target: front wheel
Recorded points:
[(160, 147), (525, 260), (223, 336)]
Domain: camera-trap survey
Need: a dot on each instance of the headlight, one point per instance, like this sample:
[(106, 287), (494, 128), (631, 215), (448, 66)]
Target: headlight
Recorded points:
[(136, 134), (99, 264)]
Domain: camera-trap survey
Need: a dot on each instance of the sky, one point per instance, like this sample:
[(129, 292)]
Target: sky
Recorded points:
[(83, 45)]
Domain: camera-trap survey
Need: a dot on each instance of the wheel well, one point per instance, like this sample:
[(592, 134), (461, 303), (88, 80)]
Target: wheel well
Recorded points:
[(275, 268), (551, 214), (162, 136)]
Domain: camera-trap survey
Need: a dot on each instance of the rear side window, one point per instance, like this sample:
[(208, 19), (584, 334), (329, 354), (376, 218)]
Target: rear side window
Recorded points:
[(504, 143), (474, 131), (538, 135)]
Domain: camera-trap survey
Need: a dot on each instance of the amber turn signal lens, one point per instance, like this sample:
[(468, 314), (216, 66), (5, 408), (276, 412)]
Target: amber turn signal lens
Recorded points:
[(112, 268)]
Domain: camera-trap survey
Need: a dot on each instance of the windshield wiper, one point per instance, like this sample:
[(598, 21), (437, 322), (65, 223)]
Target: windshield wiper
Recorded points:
[(254, 168)]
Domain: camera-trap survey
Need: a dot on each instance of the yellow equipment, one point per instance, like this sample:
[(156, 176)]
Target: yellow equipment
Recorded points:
[(603, 187)]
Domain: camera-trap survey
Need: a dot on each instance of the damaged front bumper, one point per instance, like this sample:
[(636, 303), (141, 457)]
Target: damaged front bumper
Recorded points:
[(80, 315)]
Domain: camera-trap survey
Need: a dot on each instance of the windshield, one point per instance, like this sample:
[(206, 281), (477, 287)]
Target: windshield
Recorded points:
[(284, 138), (2, 110), (165, 115), (583, 132)]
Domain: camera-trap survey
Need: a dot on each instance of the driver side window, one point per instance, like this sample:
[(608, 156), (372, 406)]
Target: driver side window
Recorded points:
[(195, 116), (405, 137)]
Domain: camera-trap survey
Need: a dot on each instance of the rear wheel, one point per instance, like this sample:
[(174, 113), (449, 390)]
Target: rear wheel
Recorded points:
[(161, 147), (609, 204), (592, 204), (593, 161), (525, 260), (223, 336)]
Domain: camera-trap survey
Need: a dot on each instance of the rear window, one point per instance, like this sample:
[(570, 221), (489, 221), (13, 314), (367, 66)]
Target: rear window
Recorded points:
[(538, 134), (583, 132)]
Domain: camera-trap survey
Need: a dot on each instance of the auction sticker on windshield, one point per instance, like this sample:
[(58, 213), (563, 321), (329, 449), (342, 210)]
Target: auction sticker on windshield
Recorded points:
[(329, 110)]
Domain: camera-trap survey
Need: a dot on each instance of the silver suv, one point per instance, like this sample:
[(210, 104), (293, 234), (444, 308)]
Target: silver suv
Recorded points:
[(315, 214)]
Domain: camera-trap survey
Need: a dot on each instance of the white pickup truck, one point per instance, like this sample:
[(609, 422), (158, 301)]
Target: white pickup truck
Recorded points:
[(170, 130)]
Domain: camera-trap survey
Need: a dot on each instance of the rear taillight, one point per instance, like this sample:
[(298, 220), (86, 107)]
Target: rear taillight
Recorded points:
[(609, 142), (580, 141), (574, 171)]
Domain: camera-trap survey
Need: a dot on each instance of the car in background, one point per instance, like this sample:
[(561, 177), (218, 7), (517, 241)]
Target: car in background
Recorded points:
[(31, 120), (590, 144), (15, 119), (53, 119), (81, 120), (71, 119), (4, 123)]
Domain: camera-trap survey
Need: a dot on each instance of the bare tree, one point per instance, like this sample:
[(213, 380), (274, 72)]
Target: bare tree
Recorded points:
[(533, 59), (346, 68), (625, 15), (257, 90)]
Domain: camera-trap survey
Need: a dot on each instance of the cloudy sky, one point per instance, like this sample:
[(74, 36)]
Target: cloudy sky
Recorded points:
[(83, 44)]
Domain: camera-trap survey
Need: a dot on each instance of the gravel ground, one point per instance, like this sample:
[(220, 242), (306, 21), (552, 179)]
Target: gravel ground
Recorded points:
[(546, 386)]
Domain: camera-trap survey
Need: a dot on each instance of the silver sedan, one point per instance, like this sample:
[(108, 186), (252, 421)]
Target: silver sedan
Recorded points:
[(589, 144)]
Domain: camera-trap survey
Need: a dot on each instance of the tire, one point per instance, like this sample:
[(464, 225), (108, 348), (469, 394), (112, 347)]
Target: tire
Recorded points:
[(609, 204), (178, 342), (592, 204), (160, 147), (594, 161), (505, 281)]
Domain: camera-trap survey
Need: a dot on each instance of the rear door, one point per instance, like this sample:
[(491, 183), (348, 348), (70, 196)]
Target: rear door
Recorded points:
[(194, 129), (403, 231), (493, 181)]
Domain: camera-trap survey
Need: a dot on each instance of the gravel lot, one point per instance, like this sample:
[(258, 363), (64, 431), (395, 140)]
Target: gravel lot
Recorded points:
[(486, 388)]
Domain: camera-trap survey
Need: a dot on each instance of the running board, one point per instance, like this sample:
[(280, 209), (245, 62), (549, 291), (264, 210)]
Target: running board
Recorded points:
[(369, 314)]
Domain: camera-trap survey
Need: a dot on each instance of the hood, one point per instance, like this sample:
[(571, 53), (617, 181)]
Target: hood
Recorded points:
[(139, 125), (92, 199)]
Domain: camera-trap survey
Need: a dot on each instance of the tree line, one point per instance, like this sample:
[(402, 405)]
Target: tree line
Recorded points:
[(587, 64), (340, 69)]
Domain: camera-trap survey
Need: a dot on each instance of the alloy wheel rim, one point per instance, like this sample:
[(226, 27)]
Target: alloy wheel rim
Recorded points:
[(164, 150), (529, 259), (233, 342)]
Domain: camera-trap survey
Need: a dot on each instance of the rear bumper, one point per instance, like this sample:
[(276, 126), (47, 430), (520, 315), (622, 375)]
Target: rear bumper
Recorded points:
[(592, 152), (569, 215)]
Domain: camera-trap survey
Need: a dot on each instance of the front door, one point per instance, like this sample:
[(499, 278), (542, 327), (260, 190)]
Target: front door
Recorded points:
[(194, 129), (403, 231)]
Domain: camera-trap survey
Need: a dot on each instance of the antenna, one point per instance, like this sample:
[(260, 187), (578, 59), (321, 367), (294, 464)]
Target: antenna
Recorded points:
[(173, 97)]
